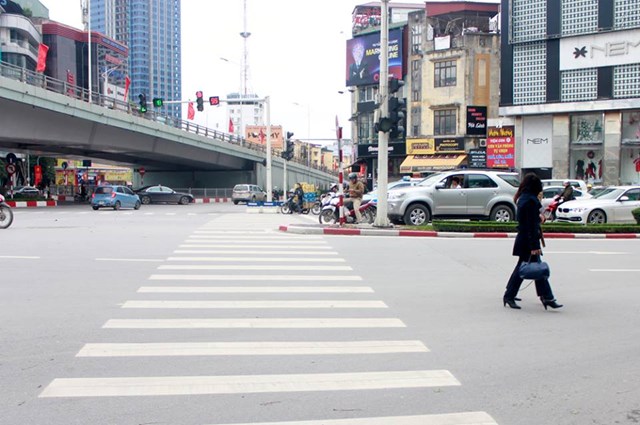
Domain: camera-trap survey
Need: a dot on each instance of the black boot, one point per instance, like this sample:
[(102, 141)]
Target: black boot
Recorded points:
[(550, 303), (511, 303)]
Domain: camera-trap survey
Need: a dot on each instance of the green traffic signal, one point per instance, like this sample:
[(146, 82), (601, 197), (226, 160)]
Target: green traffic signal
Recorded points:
[(158, 102)]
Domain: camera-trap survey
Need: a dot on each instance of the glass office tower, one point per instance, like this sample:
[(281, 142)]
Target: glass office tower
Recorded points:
[(152, 30)]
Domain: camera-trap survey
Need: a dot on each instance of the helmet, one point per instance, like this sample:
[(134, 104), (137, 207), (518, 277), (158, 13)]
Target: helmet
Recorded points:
[(333, 186), (566, 183), (353, 176)]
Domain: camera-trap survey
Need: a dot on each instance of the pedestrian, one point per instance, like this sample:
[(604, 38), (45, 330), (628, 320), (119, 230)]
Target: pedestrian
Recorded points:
[(527, 246)]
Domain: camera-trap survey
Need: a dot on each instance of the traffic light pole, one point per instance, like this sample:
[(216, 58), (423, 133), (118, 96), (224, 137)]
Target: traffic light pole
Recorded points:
[(382, 219)]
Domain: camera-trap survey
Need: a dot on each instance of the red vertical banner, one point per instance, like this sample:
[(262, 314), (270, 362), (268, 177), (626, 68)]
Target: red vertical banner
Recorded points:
[(191, 113), (501, 147), (42, 57), (231, 126), (37, 174), (127, 84)]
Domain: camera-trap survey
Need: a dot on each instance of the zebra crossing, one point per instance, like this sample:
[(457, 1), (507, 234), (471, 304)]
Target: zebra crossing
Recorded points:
[(286, 283)]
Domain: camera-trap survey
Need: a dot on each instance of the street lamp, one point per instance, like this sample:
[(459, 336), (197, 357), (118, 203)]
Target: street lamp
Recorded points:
[(105, 76)]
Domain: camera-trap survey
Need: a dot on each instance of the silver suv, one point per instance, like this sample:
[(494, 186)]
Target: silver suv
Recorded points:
[(248, 193), (480, 195)]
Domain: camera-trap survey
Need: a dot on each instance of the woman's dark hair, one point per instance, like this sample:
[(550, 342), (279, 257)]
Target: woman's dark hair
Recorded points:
[(530, 183)]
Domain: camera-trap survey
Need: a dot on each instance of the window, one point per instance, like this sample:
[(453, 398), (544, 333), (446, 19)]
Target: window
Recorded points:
[(475, 181), (444, 121), (415, 121), (445, 74)]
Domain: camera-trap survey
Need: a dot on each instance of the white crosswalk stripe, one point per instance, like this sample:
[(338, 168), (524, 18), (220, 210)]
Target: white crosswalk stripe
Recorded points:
[(283, 274)]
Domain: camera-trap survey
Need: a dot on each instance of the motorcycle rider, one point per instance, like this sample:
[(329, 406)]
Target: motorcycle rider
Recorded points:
[(299, 193), (356, 190)]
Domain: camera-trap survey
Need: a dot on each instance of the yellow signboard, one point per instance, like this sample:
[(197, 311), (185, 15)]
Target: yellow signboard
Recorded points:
[(421, 146)]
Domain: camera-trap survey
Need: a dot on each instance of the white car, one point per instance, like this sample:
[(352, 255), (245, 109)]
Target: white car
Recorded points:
[(577, 184), (549, 192), (612, 205), (373, 195)]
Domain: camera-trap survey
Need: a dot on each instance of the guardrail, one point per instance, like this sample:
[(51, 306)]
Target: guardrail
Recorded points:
[(62, 87)]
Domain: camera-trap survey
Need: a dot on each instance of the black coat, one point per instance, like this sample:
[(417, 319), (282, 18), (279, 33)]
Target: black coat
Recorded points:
[(529, 229)]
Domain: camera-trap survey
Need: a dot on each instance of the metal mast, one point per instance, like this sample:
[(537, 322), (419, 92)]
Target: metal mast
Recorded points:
[(245, 56)]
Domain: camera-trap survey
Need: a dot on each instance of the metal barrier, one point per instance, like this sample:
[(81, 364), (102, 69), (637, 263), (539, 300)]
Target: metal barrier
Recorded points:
[(205, 192), (62, 87)]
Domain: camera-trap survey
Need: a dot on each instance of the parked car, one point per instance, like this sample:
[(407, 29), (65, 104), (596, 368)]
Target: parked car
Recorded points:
[(163, 194), (549, 192), (114, 196), (248, 193), (577, 184), (481, 195), (26, 191), (612, 205)]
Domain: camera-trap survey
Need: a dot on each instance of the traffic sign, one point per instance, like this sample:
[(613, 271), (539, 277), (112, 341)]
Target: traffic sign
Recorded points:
[(11, 169), (141, 170)]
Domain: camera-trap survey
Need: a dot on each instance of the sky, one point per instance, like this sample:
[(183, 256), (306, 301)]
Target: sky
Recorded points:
[(296, 57)]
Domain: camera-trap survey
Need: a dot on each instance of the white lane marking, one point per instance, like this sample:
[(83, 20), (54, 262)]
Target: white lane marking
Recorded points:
[(19, 257), (192, 214), (268, 348), (240, 323), (615, 270), (131, 260), (251, 252), (148, 213), (255, 290), (191, 244), (251, 235), (196, 239), (260, 278), (170, 213), (464, 418), (588, 252), (242, 267), (271, 304), (259, 259), (241, 384)]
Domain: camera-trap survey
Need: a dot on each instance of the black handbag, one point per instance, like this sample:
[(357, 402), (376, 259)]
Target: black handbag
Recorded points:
[(534, 270)]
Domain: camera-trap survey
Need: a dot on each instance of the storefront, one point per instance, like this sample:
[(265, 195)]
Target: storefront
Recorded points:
[(630, 148), (586, 147), (367, 163), (425, 156)]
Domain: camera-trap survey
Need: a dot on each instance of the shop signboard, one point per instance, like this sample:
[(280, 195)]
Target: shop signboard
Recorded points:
[(477, 120), (477, 158), (501, 147), (450, 145), (537, 136), (394, 149), (600, 50), (421, 146)]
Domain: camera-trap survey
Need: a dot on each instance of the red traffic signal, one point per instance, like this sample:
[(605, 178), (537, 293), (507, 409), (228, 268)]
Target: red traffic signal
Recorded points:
[(214, 100), (199, 101)]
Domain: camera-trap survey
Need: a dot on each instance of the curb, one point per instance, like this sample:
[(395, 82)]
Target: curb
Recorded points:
[(211, 200), (432, 234), (31, 204)]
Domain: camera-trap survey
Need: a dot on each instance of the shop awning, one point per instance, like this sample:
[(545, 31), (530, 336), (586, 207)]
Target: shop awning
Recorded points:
[(437, 162)]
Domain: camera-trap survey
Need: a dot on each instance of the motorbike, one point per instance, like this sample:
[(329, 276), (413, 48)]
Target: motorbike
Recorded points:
[(550, 210), (6, 215), (331, 213), (290, 206)]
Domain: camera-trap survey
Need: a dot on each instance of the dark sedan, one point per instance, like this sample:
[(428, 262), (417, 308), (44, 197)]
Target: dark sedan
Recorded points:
[(163, 194)]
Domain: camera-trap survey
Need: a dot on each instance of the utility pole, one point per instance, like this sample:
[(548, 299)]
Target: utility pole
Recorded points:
[(267, 102), (382, 220)]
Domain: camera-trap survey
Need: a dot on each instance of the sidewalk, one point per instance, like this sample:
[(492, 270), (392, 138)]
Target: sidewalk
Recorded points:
[(368, 230)]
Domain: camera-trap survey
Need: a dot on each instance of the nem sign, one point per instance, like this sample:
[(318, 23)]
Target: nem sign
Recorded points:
[(600, 50)]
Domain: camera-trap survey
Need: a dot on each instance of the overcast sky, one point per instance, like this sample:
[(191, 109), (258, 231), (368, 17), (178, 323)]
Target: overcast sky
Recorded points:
[(296, 55)]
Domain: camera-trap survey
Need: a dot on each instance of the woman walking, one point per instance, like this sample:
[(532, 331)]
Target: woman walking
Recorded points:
[(527, 244)]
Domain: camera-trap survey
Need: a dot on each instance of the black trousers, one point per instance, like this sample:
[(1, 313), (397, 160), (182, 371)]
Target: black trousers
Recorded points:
[(543, 289)]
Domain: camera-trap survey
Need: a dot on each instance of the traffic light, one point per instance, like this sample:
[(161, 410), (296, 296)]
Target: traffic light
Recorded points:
[(289, 147), (214, 100), (397, 114), (200, 101), (395, 85), (142, 108), (158, 102)]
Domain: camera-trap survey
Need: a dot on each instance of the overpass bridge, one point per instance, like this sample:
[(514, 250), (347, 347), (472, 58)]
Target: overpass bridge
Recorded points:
[(44, 116)]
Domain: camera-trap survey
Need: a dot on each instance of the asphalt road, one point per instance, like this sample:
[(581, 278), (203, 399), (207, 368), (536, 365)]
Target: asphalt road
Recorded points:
[(204, 314)]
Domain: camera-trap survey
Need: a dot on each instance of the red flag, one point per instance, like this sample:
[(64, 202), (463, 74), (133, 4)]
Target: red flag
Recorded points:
[(127, 84), (231, 126), (261, 136), (191, 113), (42, 57)]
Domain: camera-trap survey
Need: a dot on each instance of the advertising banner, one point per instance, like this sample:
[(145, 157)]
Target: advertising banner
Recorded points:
[(537, 134), (363, 58), (365, 18), (477, 158), (501, 147), (256, 134), (477, 120), (421, 146), (450, 145)]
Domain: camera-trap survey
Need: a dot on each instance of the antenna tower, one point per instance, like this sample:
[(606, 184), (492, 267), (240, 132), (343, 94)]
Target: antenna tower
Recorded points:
[(245, 34)]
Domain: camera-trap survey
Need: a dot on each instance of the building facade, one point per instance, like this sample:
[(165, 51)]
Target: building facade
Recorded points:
[(152, 31), (19, 37), (571, 83), (242, 111), (453, 84)]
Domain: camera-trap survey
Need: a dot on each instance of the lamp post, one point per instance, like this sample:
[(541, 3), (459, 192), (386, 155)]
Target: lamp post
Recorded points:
[(105, 76)]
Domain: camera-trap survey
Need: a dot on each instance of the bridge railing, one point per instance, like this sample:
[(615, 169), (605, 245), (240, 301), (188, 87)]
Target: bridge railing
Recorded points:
[(63, 87)]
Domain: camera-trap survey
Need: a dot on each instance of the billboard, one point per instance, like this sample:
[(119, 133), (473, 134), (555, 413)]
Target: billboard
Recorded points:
[(477, 120), (537, 137), (363, 58), (256, 134), (501, 145), (366, 17)]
